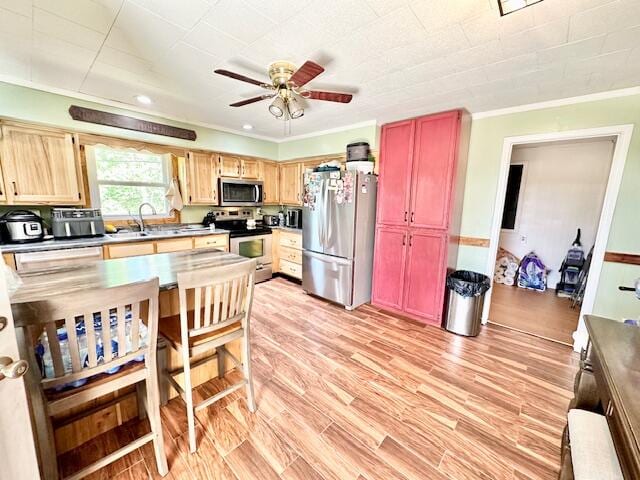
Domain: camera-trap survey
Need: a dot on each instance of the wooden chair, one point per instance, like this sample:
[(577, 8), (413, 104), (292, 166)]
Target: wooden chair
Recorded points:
[(34, 318), (222, 299)]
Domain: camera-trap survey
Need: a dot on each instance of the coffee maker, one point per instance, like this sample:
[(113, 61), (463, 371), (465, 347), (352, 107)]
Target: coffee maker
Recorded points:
[(294, 218)]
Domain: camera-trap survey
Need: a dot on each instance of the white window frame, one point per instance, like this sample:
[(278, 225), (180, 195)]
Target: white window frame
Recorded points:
[(523, 181), (94, 184)]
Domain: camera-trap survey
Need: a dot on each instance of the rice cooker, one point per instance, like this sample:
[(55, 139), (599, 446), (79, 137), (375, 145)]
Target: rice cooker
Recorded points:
[(21, 226)]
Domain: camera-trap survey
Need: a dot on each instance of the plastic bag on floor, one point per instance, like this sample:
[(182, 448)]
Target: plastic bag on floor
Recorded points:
[(467, 283)]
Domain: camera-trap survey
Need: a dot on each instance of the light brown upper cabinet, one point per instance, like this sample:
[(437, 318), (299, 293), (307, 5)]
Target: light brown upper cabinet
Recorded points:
[(291, 183), (270, 183), (199, 179), (230, 166), (3, 191), (250, 169), (40, 167)]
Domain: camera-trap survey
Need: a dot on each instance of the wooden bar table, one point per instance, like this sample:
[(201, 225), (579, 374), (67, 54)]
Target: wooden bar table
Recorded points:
[(74, 428)]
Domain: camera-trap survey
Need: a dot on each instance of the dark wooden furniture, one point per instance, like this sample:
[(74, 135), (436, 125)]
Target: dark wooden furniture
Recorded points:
[(614, 355)]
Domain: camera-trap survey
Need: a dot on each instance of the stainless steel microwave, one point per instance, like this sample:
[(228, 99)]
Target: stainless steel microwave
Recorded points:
[(240, 193)]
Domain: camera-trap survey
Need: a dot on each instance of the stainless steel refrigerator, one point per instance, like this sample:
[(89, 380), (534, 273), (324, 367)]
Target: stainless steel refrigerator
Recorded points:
[(338, 225)]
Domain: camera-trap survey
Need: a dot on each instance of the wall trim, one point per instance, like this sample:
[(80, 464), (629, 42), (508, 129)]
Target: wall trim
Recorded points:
[(626, 258), (471, 241), (320, 133), (620, 153), (592, 97)]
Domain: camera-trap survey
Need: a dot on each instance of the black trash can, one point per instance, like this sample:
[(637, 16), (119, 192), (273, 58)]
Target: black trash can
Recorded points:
[(466, 299)]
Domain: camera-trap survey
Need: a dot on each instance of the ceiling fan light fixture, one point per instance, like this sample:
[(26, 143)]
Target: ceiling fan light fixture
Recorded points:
[(277, 107), (295, 108)]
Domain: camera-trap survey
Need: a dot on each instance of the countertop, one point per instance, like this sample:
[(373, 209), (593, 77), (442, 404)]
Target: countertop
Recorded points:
[(287, 229), (65, 281), (104, 240)]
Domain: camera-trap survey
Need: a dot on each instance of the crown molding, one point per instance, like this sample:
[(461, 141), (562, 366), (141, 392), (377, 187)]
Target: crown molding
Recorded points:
[(560, 102), (319, 133)]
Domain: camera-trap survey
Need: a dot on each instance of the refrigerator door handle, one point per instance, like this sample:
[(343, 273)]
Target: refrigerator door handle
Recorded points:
[(326, 217), (321, 222), (327, 258)]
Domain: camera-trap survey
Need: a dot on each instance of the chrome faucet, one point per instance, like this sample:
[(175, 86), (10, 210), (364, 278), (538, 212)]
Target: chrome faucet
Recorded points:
[(141, 219)]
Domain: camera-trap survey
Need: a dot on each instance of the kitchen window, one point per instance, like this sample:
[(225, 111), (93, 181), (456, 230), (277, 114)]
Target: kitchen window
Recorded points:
[(121, 180)]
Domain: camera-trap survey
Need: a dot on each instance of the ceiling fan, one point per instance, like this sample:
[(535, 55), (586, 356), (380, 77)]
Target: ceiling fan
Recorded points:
[(287, 84)]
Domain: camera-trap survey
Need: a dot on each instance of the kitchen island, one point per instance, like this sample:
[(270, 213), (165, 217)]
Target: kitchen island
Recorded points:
[(106, 413)]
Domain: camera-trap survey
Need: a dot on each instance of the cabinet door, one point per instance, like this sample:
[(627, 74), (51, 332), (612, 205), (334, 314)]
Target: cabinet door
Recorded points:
[(174, 245), (290, 184), (229, 166), (270, 183), (41, 167), (250, 169), (3, 188), (396, 152), (425, 275), (202, 181), (434, 161), (389, 266), (123, 250)]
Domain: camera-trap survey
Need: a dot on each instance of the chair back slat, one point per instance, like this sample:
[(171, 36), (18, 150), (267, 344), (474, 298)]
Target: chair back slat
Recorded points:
[(54, 348), (225, 291), (206, 322), (135, 326), (82, 350), (105, 325), (197, 306), (92, 354), (72, 344), (216, 304), (122, 330)]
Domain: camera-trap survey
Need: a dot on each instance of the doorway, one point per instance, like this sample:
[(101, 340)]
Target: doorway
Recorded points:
[(557, 194)]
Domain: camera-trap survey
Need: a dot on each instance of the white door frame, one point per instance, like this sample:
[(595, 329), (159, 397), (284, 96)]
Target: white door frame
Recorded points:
[(623, 139)]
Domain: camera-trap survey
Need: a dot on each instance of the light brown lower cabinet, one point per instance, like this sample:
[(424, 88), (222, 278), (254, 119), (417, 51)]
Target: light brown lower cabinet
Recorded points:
[(132, 249), (287, 253)]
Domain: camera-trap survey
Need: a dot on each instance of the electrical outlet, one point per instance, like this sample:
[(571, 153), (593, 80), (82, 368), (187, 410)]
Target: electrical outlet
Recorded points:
[(523, 239)]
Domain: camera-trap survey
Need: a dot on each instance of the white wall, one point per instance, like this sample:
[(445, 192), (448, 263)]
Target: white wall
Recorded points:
[(563, 190)]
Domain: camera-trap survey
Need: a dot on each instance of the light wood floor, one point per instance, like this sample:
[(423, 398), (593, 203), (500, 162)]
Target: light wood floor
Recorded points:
[(367, 396), (543, 314)]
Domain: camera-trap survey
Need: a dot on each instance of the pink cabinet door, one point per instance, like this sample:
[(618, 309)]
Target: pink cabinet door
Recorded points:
[(394, 187), (388, 266), (434, 158), (425, 275)]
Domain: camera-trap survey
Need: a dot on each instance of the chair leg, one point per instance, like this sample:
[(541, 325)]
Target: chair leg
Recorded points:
[(141, 393), (188, 395), (162, 360), (153, 411), (246, 370), (220, 355)]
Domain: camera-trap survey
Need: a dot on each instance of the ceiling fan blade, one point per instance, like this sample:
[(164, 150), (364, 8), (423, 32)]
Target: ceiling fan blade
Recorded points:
[(250, 100), (329, 96), (306, 73), (242, 78)]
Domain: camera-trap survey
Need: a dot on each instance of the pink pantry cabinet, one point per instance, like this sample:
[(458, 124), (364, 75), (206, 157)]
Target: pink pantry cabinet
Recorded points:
[(422, 172)]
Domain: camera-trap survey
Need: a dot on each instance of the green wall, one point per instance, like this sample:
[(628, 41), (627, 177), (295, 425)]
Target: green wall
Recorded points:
[(329, 143), (37, 106), (487, 136)]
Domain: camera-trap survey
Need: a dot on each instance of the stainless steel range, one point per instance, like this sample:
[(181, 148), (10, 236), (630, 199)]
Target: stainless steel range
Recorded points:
[(247, 242)]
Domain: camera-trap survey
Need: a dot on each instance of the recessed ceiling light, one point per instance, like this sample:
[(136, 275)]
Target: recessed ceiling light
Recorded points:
[(510, 6), (143, 99), (246, 126)]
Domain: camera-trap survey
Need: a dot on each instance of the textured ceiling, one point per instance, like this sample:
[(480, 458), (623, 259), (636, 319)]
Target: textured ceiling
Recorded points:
[(401, 58)]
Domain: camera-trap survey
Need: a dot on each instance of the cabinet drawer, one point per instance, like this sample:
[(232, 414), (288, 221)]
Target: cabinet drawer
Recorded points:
[(290, 239), (130, 249), (291, 255), (211, 241), (290, 268), (177, 245)]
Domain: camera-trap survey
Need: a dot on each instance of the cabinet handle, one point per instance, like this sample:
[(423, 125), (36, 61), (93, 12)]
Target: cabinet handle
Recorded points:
[(410, 239), (15, 188), (404, 240), (264, 195), (405, 216), (413, 215)]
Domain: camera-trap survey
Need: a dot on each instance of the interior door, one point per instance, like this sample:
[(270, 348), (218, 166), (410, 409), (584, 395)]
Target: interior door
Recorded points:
[(433, 167), (389, 265), (16, 437), (202, 186), (425, 275), (396, 154), (40, 166)]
